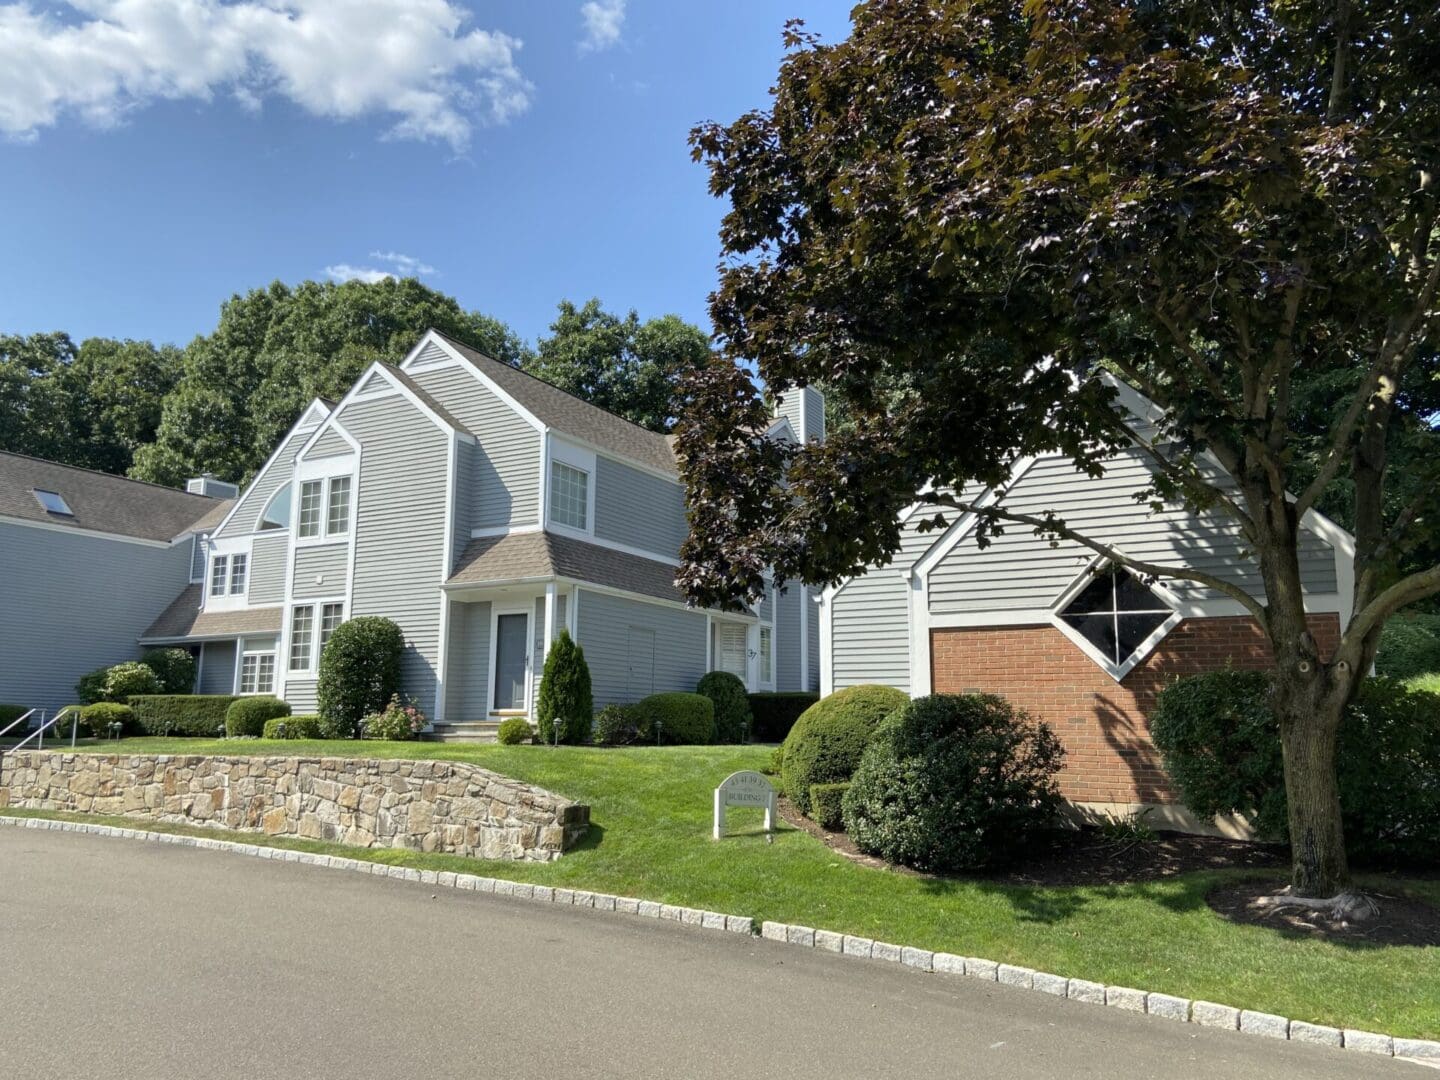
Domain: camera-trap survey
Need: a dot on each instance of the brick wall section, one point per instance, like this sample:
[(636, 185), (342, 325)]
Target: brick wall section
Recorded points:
[(1103, 724)]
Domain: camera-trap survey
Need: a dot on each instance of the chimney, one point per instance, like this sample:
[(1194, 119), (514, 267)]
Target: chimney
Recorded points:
[(206, 484), (804, 407)]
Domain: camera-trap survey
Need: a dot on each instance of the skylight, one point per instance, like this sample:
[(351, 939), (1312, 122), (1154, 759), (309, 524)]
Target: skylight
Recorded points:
[(52, 503)]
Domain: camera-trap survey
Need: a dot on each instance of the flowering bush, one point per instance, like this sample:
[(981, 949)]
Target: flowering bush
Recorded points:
[(397, 722)]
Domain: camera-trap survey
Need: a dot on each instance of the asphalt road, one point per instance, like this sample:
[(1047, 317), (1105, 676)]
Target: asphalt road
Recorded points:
[(121, 960)]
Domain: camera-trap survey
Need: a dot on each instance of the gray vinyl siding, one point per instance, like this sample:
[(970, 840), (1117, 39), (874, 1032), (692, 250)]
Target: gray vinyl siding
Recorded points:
[(217, 668), (765, 610), (870, 620), (787, 639), (1022, 571), (602, 626), (467, 458), (73, 603), (197, 558), (505, 484), (812, 642), (252, 503), (329, 562), (638, 509), (431, 354), (329, 444), (467, 674), (301, 695), (400, 530), (268, 552)]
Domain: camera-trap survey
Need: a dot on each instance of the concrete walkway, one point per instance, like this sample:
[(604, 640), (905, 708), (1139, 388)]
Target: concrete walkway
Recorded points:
[(121, 960)]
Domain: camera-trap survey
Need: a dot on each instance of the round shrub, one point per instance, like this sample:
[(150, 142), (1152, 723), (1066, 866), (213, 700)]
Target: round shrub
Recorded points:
[(827, 805), (565, 701), (1409, 646), (91, 687), (246, 716), (1387, 759), (1220, 743), (97, 718), (732, 705), (514, 731), (132, 677), (676, 719), (616, 725), (175, 668), (826, 743), (399, 721), (953, 781), (302, 726), (359, 672)]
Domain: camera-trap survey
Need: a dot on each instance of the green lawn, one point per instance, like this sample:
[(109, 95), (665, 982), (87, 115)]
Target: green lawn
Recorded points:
[(651, 839)]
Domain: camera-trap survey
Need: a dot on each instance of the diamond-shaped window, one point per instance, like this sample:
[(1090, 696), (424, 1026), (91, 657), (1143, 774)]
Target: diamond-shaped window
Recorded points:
[(1117, 614)]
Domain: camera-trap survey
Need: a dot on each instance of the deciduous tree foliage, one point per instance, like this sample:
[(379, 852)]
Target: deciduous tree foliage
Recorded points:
[(970, 215), (621, 364), (275, 349)]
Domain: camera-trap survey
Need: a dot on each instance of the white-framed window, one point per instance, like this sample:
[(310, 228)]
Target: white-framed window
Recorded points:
[(312, 496), (337, 516), (767, 655), (1115, 617), (331, 616), (257, 673), (302, 636), (276, 514), (732, 649), (219, 574), (239, 573), (569, 495)]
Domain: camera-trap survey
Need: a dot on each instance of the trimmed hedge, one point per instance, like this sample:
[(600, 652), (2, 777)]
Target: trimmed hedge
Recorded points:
[(246, 716), (676, 719), (774, 714), (514, 732), (359, 672), (827, 742), (954, 781), (616, 725), (1221, 743), (826, 805), (732, 705), (175, 668), (198, 715), (565, 701), (303, 726), (97, 718)]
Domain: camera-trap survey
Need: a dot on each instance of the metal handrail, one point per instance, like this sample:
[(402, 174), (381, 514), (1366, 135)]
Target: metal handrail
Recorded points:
[(18, 721), (39, 733)]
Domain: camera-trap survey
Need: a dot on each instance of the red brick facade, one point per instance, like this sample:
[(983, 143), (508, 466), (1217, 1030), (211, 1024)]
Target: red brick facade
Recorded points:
[(1103, 724)]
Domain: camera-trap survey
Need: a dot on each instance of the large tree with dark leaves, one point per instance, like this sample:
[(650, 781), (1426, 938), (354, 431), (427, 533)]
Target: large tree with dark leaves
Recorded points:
[(966, 216), (275, 349)]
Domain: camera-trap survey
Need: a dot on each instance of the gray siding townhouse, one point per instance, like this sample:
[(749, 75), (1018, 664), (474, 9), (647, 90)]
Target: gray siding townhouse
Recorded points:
[(482, 510), (1055, 630), (87, 562)]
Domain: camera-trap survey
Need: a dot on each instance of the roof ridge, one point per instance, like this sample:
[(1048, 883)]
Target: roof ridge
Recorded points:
[(111, 476), (548, 383)]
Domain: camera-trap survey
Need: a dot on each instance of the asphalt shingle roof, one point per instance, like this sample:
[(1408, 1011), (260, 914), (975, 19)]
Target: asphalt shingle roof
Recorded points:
[(573, 416), (101, 502), (521, 556), (184, 619)]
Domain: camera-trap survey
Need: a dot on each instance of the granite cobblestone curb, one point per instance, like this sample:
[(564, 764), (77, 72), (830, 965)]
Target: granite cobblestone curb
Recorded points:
[(1165, 1006)]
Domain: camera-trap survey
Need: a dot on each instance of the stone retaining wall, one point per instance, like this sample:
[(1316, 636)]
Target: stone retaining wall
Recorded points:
[(426, 805)]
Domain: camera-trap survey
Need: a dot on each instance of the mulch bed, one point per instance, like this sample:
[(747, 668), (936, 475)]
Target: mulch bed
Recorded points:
[(1403, 920)]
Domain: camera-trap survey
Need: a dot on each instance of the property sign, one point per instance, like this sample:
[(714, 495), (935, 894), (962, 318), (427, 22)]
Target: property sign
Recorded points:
[(745, 788)]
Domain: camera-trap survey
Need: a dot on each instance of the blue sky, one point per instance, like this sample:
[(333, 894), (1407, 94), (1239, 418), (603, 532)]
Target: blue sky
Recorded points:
[(156, 161)]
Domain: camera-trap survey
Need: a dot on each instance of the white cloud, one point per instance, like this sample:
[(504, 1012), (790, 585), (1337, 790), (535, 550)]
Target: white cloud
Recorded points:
[(368, 274), (399, 266), (407, 265), (602, 21), (412, 61)]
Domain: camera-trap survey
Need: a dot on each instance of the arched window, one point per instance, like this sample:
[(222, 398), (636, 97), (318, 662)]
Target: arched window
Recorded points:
[(276, 514)]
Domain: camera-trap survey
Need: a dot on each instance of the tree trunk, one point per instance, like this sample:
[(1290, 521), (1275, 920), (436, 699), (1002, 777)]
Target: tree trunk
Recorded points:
[(1309, 714)]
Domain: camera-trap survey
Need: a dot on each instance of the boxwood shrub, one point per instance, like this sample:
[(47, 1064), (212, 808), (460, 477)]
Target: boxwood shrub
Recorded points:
[(1221, 743), (359, 672), (732, 705), (774, 714), (301, 726), (95, 719), (246, 716), (175, 668), (676, 719), (953, 781), (826, 805), (616, 725), (198, 715), (826, 743), (514, 731)]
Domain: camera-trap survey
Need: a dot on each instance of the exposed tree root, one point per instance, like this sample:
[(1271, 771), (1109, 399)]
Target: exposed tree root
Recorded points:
[(1348, 907)]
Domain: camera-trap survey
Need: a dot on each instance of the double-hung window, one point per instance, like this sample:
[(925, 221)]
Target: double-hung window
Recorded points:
[(239, 573), (257, 673), (219, 574), (337, 518), (312, 493), (569, 495), (331, 616), (302, 637)]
